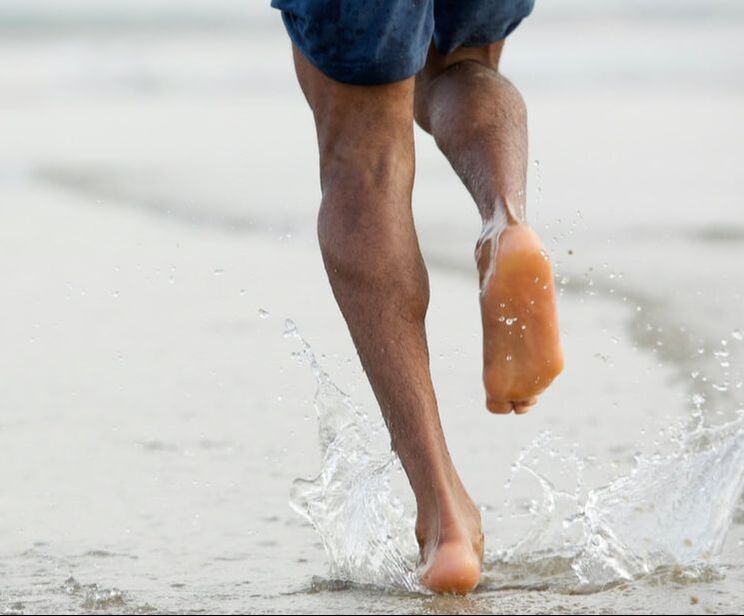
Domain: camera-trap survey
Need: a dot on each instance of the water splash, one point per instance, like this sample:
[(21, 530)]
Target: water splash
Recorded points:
[(671, 512), (366, 533), (504, 213), (94, 597), (666, 519)]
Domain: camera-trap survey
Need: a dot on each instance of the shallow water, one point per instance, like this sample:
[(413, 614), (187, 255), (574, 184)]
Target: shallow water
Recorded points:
[(669, 515), (157, 478)]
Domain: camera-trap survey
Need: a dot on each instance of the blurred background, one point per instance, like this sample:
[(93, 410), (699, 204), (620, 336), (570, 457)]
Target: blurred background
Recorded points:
[(158, 190)]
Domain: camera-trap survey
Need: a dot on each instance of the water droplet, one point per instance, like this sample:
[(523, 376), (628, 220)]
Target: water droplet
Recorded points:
[(737, 334), (263, 314), (508, 358), (290, 329), (511, 321)]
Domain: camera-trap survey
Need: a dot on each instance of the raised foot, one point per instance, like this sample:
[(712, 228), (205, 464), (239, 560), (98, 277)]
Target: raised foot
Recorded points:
[(521, 345)]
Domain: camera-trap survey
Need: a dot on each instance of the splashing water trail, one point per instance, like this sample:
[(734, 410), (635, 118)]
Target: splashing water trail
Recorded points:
[(366, 534), (668, 516), (670, 512)]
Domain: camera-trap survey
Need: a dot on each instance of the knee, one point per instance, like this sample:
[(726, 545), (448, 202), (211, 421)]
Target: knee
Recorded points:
[(369, 249), (444, 85), (359, 232), (445, 68)]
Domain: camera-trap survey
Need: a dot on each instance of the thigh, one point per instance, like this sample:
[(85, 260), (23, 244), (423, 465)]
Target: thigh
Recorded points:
[(358, 126), (476, 23), (470, 31)]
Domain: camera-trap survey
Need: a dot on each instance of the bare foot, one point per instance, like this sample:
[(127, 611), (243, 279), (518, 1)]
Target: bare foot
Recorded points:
[(451, 542), (521, 345)]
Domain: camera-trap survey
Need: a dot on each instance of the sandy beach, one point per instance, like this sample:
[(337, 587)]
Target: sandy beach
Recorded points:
[(158, 190)]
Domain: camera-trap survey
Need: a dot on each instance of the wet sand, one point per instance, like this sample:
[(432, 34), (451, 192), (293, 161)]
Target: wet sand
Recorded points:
[(159, 191)]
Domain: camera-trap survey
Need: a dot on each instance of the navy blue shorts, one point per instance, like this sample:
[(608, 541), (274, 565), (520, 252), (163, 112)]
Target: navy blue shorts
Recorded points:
[(369, 42)]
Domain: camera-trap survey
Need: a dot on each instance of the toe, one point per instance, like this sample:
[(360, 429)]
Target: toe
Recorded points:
[(498, 407), (522, 406)]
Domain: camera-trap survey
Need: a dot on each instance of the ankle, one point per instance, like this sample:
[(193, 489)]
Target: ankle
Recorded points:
[(450, 516)]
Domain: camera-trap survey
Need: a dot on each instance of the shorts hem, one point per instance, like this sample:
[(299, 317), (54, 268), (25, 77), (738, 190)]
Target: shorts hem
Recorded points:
[(359, 73)]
